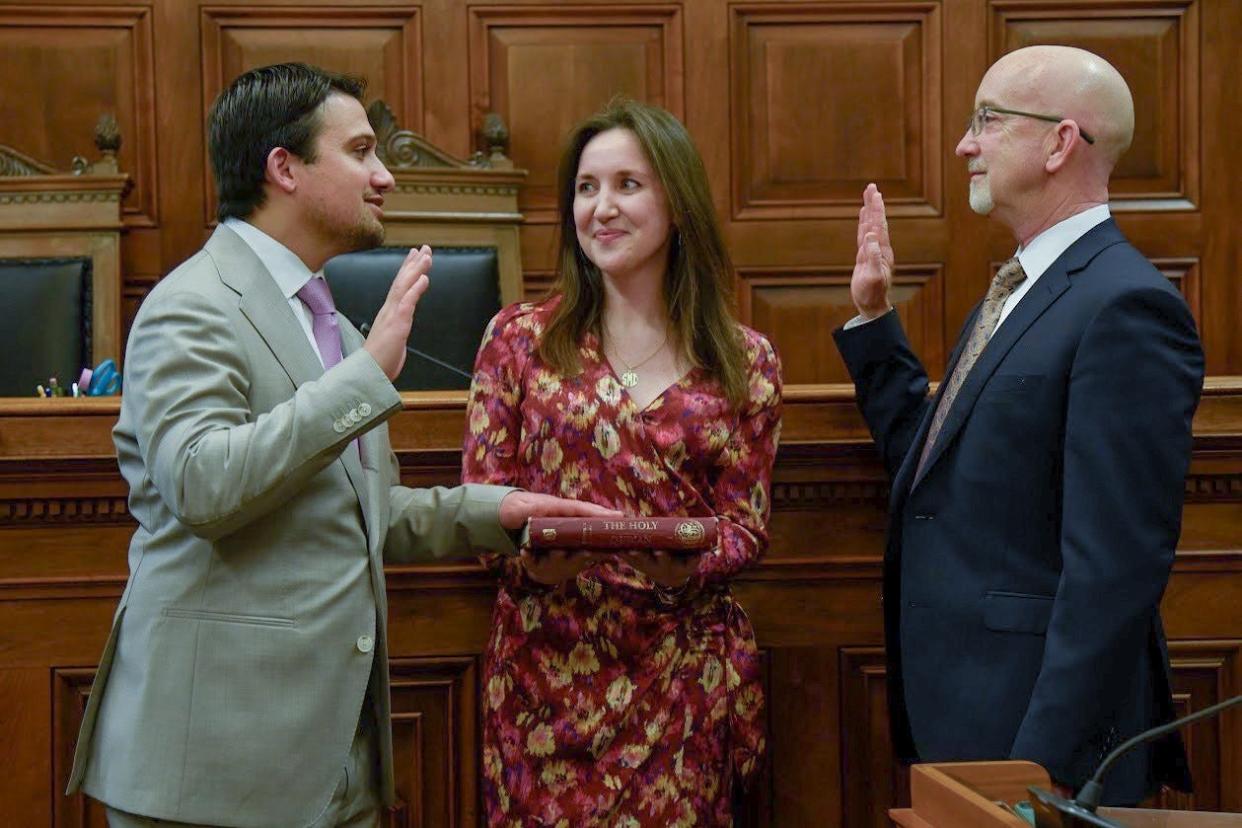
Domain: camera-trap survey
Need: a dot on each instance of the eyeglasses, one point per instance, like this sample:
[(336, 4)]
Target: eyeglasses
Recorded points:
[(980, 116)]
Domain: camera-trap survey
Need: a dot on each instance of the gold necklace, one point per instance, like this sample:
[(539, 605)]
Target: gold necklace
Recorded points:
[(629, 377)]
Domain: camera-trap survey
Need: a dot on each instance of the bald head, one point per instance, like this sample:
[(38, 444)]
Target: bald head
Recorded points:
[(1072, 83)]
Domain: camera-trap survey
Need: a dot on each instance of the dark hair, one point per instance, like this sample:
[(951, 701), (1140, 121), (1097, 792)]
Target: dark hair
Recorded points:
[(269, 107), (698, 283)]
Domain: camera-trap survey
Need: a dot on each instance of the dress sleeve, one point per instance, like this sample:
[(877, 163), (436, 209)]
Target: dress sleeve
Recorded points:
[(494, 414), (493, 411), (740, 495)]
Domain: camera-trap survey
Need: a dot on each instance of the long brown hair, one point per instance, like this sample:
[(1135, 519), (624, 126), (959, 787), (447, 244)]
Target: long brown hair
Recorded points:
[(698, 282)]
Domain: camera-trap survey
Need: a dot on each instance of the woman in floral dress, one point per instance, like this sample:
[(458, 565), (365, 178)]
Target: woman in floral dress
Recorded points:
[(624, 689)]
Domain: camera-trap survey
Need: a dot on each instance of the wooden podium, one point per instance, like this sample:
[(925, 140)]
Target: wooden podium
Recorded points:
[(969, 795)]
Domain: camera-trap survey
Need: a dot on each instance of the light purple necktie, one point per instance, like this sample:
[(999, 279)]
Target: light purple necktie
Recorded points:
[(317, 297)]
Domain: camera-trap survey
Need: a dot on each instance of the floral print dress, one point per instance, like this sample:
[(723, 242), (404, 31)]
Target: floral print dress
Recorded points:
[(612, 700)]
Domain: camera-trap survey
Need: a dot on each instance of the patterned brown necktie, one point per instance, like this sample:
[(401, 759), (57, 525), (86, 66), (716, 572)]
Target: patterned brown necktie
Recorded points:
[(1003, 285)]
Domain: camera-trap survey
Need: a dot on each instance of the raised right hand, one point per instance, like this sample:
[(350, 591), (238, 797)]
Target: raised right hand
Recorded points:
[(391, 328), (873, 266)]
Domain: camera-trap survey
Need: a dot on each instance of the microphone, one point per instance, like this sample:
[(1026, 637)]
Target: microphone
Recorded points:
[(365, 328), (1082, 807)]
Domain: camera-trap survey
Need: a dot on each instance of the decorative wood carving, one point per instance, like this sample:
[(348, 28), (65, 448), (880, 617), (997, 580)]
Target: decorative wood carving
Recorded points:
[(43, 51), (401, 149), (14, 163), (48, 214), (442, 200), (108, 142)]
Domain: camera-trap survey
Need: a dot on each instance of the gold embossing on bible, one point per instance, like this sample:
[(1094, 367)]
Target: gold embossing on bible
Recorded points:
[(690, 533), (668, 533)]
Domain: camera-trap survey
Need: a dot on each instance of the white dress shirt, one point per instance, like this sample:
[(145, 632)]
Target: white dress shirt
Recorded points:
[(1047, 247), (290, 272), (1039, 255)]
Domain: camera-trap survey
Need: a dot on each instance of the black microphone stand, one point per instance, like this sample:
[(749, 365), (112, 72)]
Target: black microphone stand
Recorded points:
[(1081, 809), (365, 328), (1090, 793)]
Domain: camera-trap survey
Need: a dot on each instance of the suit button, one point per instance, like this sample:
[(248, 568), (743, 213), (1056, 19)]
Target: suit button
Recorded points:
[(354, 417), (339, 426), (365, 644), (365, 409)]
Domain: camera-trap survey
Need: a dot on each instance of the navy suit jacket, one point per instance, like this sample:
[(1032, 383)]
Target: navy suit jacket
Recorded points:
[(1024, 568)]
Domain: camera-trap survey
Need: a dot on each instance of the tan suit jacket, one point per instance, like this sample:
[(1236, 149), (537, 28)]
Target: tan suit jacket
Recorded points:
[(254, 616)]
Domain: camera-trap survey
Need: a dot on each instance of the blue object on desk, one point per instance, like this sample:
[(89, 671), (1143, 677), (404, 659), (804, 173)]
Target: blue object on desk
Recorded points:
[(1025, 810), (103, 381)]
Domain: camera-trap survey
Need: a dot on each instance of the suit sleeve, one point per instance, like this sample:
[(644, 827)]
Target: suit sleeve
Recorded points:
[(463, 521), (1133, 390), (217, 465), (889, 383)]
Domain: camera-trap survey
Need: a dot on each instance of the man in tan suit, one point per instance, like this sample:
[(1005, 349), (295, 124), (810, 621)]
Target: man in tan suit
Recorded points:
[(245, 681)]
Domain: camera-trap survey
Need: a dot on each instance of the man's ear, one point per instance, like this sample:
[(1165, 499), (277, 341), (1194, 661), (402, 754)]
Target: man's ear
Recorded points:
[(279, 169), (1066, 140)]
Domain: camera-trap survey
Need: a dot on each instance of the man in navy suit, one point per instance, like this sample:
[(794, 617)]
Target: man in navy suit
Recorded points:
[(1036, 499)]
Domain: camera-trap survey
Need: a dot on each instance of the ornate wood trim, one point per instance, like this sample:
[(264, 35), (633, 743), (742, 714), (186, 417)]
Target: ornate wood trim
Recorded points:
[(14, 163)]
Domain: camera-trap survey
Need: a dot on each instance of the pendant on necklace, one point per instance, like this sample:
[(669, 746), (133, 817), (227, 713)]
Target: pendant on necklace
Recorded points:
[(629, 378)]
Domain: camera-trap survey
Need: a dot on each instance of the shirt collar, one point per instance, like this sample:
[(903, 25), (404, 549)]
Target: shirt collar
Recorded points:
[(1048, 246), (290, 272)]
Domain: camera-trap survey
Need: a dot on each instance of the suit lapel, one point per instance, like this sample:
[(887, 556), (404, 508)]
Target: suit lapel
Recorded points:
[(901, 483), (264, 305), (268, 311), (1054, 282), (1047, 290)]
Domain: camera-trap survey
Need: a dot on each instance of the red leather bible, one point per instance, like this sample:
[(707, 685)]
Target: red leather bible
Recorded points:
[(687, 533)]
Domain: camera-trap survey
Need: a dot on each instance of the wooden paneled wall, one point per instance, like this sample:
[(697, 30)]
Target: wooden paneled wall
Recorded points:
[(814, 600), (795, 107)]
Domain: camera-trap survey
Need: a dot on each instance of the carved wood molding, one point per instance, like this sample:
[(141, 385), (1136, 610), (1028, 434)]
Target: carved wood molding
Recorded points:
[(818, 494), (814, 495), (61, 197), (1213, 488), (57, 511)]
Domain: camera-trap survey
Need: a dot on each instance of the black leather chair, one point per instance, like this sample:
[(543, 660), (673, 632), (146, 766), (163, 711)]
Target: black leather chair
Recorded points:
[(47, 322), (451, 316)]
